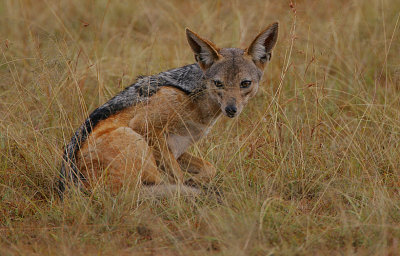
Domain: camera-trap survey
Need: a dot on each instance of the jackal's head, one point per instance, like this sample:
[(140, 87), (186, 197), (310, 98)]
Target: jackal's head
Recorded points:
[(233, 74)]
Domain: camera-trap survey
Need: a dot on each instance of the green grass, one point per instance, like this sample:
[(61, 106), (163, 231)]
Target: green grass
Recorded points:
[(312, 166)]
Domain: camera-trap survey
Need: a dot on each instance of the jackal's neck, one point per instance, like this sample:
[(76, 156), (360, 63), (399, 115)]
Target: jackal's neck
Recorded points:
[(191, 80)]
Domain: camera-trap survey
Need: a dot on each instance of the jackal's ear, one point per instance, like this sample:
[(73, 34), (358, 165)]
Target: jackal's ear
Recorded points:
[(205, 52), (261, 47)]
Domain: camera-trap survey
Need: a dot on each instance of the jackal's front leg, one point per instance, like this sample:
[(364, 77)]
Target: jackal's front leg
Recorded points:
[(201, 170), (166, 160)]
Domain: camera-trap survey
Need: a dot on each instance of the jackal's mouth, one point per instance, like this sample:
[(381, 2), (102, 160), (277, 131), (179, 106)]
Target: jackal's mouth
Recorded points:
[(230, 115)]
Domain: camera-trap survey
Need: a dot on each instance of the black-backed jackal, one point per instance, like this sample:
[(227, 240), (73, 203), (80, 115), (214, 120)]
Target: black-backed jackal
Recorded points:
[(143, 133)]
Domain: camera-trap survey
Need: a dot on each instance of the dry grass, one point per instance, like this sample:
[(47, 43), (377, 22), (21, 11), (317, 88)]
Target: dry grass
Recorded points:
[(311, 167)]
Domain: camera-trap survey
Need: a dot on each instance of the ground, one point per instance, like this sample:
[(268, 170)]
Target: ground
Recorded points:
[(310, 167)]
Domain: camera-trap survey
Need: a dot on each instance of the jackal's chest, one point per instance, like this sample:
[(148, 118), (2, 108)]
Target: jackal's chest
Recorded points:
[(181, 140)]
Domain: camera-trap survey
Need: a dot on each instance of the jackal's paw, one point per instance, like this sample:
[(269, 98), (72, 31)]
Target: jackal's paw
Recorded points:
[(202, 174)]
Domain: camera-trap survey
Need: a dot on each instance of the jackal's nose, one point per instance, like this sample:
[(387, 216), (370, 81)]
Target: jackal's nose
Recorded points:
[(230, 111)]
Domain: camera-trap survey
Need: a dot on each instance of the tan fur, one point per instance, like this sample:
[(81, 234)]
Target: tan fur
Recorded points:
[(135, 140)]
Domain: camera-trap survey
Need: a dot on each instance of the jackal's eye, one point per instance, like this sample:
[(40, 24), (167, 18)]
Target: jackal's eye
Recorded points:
[(218, 84), (245, 84)]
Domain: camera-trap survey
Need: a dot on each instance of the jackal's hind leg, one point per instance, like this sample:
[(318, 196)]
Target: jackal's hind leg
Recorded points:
[(200, 170), (126, 157)]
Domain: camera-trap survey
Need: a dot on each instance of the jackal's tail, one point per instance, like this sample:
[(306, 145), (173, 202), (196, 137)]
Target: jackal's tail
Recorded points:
[(69, 173)]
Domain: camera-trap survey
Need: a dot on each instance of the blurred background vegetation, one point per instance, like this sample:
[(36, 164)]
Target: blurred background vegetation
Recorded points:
[(311, 167)]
